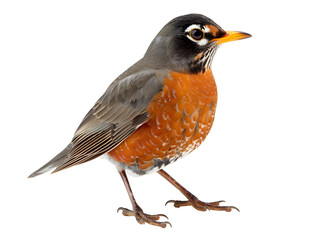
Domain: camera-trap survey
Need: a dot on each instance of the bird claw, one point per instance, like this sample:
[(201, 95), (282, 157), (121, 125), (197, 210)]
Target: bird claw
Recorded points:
[(142, 217), (202, 206)]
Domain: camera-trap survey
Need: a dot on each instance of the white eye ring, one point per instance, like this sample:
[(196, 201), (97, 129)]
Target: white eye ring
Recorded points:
[(192, 26), (204, 29)]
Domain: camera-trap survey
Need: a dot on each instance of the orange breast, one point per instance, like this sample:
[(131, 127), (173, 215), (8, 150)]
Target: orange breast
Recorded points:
[(181, 116)]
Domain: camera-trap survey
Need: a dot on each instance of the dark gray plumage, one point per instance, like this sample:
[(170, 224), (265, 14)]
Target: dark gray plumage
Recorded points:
[(116, 115)]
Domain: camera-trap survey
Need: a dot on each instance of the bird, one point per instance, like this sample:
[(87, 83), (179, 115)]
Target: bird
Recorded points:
[(157, 111)]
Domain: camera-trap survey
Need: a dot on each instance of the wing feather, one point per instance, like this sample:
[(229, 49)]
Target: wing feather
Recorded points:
[(115, 116)]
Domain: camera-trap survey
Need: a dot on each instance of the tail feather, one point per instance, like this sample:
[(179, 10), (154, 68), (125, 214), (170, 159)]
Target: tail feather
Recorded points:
[(55, 162)]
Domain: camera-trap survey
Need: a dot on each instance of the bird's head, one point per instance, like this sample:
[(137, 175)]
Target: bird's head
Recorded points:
[(188, 43)]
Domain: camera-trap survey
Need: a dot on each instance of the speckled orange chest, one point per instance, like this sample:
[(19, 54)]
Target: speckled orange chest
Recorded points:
[(181, 116)]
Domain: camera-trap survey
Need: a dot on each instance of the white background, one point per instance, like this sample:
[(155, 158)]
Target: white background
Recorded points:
[(58, 57)]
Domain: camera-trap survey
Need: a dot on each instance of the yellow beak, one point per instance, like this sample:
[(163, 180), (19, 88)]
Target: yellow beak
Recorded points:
[(231, 36)]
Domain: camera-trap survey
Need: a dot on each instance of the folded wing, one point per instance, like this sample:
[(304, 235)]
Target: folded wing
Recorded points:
[(115, 116)]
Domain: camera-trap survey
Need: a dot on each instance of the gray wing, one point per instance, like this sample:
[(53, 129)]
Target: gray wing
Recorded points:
[(115, 116)]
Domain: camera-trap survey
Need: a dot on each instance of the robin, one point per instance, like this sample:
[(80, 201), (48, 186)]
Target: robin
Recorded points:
[(156, 112)]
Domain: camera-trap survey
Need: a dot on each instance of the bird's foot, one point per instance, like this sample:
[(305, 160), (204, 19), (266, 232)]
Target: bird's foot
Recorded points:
[(142, 217), (202, 206)]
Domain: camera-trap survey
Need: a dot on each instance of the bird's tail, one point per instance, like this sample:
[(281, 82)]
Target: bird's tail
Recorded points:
[(55, 162)]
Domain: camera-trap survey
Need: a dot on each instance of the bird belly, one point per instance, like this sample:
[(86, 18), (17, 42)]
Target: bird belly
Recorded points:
[(180, 117)]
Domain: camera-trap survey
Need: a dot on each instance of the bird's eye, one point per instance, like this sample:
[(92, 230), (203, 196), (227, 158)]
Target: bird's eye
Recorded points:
[(196, 34)]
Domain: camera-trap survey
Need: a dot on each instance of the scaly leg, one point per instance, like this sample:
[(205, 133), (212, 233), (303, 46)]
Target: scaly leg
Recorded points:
[(141, 217), (193, 200)]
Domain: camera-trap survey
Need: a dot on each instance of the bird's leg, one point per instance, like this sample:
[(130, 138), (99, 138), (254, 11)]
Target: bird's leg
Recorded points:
[(193, 200), (136, 211)]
